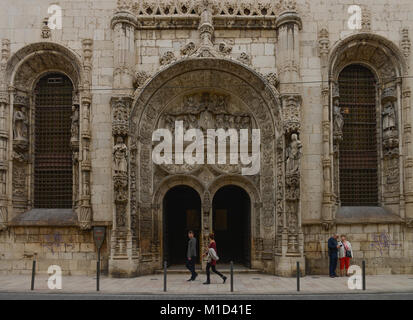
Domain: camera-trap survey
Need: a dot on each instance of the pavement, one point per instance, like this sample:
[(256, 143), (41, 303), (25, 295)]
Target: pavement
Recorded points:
[(244, 284)]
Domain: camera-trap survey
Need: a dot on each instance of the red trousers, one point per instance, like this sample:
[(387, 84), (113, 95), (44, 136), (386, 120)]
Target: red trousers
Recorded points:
[(344, 262)]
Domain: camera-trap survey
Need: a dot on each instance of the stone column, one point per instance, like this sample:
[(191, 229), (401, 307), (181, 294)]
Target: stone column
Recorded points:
[(123, 25), (124, 250), (20, 129), (84, 207), (406, 129), (328, 200), (4, 135), (288, 47)]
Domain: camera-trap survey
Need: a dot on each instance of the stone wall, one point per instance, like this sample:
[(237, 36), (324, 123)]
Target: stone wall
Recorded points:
[(71, 249), (386, 248)]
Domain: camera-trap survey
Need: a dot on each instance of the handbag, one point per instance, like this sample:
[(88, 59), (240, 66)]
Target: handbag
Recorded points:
[(348, 252)]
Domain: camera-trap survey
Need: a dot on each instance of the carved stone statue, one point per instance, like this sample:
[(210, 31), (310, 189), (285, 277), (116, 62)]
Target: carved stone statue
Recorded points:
[(389, 117), (294, 155), (120, 152), (20, 127), (75, 124), (338, 120)]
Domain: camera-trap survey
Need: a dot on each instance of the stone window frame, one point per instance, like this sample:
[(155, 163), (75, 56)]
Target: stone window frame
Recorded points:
[(21, 79), (388, 65)]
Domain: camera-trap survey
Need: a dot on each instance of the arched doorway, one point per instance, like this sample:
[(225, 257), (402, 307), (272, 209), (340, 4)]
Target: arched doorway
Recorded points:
[(232, 224), (181, 213)]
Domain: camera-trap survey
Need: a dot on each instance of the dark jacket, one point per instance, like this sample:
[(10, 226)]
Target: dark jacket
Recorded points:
[(332, 247), (191, 251)]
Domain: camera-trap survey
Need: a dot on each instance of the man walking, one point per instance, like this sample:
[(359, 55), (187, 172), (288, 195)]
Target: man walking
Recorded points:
[(191, 255), (333, 254)]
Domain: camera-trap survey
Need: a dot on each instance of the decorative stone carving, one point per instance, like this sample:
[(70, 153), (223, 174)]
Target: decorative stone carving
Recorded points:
[(188, 49), (19, 181), (120, 154), (323, 42), (167, 58), (225, 48), (405, 42), (389, 123), (245, 58), (140, 78), (20, 124), (338, 123), (292, 190), (206, 203), (74, 140), (3, 218), (272, 79), (120, 118), (84, 208), (291, 110), (205, 111), (20, 129), (85, 217), (46, 32), (391, 170), (365, 20), (120, 130), (293, 156)]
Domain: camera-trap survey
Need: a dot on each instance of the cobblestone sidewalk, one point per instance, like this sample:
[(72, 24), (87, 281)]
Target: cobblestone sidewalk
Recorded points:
[(243, 284)]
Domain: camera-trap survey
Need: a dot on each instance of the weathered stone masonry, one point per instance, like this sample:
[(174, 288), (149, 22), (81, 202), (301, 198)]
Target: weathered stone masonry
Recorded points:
[(136, 66)]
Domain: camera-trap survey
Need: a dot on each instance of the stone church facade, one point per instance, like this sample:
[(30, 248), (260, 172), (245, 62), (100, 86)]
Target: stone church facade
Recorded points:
[(78, 106)]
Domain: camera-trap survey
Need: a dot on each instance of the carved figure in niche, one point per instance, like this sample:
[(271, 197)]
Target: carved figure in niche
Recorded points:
[(219, 121), (20, 124), (206, 120), (294, 155), (86, 183), (338, 119), (389, 117), (120, 151), (75, 123)]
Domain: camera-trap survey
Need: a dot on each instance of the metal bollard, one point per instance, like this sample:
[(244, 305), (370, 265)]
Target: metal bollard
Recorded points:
[(298, 276), (232, 276), (33, 274), (363, 271), (164, 275), (98, 272)]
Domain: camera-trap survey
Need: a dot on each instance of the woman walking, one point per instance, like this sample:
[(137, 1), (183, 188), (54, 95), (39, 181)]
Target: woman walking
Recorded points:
[(345, 253), (212, 260)]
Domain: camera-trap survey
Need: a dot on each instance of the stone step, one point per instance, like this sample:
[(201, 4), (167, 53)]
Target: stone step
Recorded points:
[(222, 270)]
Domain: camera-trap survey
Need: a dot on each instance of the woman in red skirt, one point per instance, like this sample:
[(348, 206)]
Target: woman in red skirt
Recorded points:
[(345, 253), (212, 259)]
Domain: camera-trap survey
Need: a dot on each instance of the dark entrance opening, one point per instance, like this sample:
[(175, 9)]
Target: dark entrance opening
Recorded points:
[(232, 225), (181, 213)]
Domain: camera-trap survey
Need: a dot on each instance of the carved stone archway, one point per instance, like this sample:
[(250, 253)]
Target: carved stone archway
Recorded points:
[(388, 64), (156, 242), (23, 70), (203, 74)]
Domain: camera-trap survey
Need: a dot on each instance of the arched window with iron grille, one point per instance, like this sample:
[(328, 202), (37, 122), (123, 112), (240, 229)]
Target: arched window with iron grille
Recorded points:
[(358, 154), (52, 152)]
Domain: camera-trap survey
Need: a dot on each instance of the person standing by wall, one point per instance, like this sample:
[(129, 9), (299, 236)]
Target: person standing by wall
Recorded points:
[(191, 255), (345, 253), (333, 247)]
